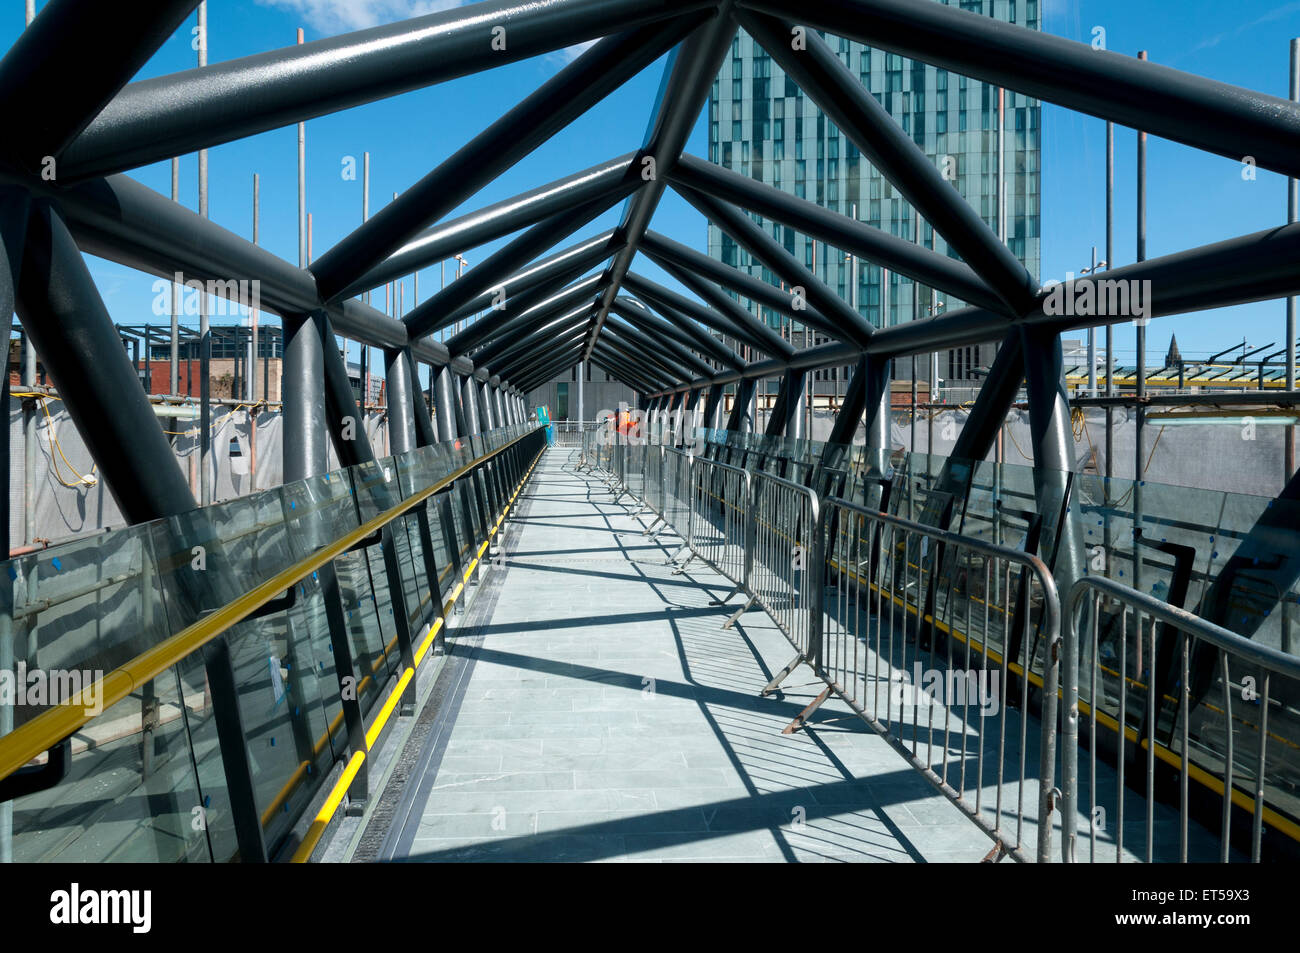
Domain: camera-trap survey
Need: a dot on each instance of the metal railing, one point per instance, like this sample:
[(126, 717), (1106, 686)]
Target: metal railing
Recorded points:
[(571, 433), (719, 498), (782, 556), (907, 608), (431, 514), (934, 638), (848, 587), (1166, 714)]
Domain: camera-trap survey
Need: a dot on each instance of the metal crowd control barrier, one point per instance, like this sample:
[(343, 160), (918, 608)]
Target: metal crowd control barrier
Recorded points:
[(985, 622), (719, 498), (1180, 713), (284, 625), (847, 585), (570, 434), (781, 560)]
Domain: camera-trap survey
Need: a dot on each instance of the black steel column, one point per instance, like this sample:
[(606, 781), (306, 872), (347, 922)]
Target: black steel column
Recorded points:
[(401, 411), (303, 395)]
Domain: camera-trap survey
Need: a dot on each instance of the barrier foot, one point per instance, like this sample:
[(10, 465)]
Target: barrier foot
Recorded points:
[(781, 676), (682, 568), (725, 599), (804, 715), (997, 853), (731, 620), (649, 530)]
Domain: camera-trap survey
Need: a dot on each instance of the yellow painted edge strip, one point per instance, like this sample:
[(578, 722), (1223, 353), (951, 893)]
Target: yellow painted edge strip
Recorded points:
[(372, 733), (317, 829), (1194, 771), (331, 805)]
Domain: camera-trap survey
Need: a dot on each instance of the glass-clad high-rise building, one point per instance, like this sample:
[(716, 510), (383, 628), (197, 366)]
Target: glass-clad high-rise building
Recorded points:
[(761, 125)]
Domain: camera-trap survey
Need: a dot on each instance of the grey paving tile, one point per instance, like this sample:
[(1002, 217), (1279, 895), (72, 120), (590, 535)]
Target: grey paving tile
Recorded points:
[(560, 753)]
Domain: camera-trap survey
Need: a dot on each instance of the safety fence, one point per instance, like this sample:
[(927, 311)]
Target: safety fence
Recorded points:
[(215, 668), (571, 433), (1200, 686), (954, 649)]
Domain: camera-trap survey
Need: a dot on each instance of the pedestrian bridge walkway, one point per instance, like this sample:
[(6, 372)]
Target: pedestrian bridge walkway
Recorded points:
[(494, 650), (601, 713)]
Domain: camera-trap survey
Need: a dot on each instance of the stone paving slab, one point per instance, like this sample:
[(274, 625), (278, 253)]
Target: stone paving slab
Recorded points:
[(608, 717)]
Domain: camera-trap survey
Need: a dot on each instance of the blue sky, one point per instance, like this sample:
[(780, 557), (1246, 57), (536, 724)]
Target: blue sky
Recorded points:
[(1193, 198)]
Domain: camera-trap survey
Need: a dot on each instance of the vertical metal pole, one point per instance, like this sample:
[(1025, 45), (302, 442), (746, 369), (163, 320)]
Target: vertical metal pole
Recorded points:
[(205, 332), (1110, 328), (1092, 338), (1292, 200), (29, 439), (582, 377), (1139, 442), (999, 453), (252, 354), (302, 186), (365, 199), (176, 294)]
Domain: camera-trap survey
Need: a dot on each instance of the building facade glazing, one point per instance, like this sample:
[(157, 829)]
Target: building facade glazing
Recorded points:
[(761, 125)]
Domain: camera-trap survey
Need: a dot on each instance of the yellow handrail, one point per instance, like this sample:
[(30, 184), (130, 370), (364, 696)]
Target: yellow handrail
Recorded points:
[(60, 721)]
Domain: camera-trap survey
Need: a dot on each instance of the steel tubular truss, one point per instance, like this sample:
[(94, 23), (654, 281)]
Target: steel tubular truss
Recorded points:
[(545, 309)]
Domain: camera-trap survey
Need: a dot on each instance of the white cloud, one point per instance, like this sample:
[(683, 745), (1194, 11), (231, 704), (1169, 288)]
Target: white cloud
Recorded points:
[(341, 16), (567, 55)]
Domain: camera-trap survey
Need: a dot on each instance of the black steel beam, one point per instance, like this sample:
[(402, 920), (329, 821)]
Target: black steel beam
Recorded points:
[(678, 327), (603, 356), (740, 419), (494, 221), (124, 221), (840, 94), (401, 408), (492, 275), (739, 323), (543, 370), (922, 264), (786, 419), (847, 421), (557, 102), (86, 50), (566, 263), (659, 248), (682, 95), (66, 321), (718, 321), (425, 435), (637, 341), (511, 321), (1253, 267), (173, 115), (303, 449), (614, 352), (1219, 118), (635, 321), (522, 364), (830, 313), (554, 328)]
